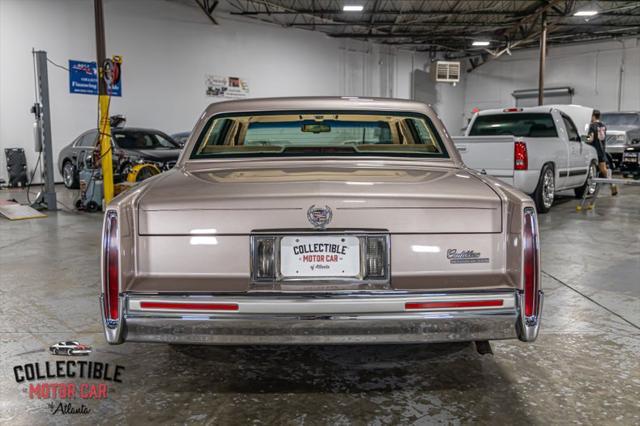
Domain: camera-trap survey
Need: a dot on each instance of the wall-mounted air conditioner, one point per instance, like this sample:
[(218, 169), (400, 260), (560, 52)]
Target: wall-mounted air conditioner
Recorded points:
[(446, 71)]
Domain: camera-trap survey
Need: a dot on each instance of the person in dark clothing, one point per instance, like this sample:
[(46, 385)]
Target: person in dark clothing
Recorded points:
[(597, 138)]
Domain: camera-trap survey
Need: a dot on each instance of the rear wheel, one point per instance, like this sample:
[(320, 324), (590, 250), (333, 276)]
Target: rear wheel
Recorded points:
[(545, 191), (589, 187), (70, 175)]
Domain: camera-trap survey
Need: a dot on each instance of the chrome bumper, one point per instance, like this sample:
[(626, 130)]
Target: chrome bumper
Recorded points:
[(322, 319), (617, 148)]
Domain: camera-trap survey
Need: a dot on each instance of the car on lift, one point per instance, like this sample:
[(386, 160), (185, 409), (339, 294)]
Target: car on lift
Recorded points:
[(539, 150), (320, 221), (130, 147), (623, 130)]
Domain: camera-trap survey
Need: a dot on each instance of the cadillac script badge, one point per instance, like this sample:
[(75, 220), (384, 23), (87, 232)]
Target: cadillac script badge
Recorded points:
[(319, 217)]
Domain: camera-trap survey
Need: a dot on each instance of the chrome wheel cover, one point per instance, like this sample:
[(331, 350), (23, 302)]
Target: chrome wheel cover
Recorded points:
[(591, 186), (67, 174), (548, 188)]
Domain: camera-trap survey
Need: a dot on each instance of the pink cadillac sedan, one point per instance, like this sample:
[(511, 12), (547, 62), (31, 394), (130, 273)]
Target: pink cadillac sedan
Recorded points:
[(320, 221)]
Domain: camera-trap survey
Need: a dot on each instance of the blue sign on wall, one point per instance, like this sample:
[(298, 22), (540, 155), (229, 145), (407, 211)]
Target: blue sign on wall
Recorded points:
[(83, 79)]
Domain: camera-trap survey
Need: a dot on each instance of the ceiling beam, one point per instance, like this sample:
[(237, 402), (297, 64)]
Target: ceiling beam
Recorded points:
[(321, 12), (452, 24), (208, 7), (413, 24), (509, 24)]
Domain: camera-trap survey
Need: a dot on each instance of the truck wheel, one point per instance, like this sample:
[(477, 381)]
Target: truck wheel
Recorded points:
[(545, 191), (588, 187)]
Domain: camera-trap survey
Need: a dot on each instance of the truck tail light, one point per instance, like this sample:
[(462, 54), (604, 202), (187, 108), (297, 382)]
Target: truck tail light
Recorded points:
[(520, 156), (111, 267), (531, 265), (375, 257)]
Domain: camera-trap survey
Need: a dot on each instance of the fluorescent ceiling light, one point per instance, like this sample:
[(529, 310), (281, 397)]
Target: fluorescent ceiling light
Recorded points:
[(352, 8), (480, 43), (586, 13)]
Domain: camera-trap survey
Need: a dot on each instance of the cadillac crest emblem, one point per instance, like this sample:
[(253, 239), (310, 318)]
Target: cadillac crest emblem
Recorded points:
[(319, 217)]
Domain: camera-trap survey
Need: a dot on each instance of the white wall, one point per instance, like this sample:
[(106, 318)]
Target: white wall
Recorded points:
[(593, 70), (167, 48)]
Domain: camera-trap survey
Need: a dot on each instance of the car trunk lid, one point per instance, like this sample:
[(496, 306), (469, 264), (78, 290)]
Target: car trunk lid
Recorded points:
[(411, 198)]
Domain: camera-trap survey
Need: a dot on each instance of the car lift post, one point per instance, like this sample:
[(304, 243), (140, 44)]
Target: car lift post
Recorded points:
[(104, 131), (47, 199)]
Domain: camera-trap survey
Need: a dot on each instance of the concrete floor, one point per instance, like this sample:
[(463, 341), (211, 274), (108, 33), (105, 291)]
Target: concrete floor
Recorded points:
[(584, 368)]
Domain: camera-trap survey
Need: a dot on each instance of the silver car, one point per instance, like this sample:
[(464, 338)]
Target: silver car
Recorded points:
[(623, 130), (320, 221)]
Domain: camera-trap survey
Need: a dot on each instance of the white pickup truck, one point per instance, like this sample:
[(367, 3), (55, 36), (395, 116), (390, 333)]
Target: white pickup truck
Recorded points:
[(538, 150)]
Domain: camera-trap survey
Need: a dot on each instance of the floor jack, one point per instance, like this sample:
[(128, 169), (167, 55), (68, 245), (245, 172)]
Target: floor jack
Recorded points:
[(90, 190)]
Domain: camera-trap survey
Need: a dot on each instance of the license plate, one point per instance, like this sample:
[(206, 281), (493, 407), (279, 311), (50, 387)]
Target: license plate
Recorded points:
[(320, 256), (630, 158)]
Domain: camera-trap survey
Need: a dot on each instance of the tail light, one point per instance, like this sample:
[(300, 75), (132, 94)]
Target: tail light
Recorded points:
[(376, 257), (520, 156), (512, 110), (265, 258), (531, 263), (111, 246)]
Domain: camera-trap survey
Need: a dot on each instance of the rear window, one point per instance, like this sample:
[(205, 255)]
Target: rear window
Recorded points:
[(532, 125), (303, 133), (621, 119)]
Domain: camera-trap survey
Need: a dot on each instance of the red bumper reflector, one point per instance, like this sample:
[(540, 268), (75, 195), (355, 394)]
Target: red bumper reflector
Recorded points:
[(190, 306), (460, 304)]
